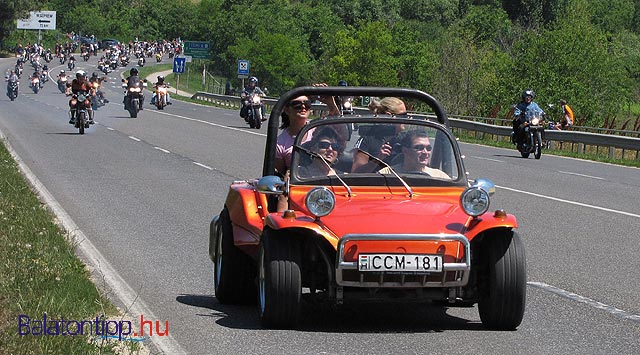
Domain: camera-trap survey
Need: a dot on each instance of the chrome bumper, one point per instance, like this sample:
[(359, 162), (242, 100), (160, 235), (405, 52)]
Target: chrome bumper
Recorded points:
[(396, 280)]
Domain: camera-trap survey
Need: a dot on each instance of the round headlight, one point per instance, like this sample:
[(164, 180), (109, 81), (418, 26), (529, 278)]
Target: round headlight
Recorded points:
[(320, 201), (474, 201), (535, 121)]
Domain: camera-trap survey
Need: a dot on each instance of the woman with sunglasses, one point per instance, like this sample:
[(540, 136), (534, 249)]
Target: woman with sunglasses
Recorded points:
[(295, 116), (416, 151), (325, 142)]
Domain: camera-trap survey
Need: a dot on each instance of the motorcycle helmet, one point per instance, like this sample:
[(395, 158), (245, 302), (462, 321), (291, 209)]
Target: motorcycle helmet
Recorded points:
[(342, 83), (528, 92), (80, 74), (62, 71), (133, 71), (254, 80), (160, 78)]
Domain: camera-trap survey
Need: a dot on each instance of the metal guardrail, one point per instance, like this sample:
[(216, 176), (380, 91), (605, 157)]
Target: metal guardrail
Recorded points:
[(582, 139)]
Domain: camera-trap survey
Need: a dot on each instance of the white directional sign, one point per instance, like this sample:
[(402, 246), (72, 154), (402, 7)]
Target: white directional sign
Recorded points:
[(39, 20)]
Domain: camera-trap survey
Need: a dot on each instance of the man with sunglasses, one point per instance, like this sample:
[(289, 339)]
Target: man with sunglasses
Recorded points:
[(416, 156)]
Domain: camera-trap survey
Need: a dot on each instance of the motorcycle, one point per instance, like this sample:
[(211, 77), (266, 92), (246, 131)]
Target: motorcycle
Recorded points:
[(158, 57), (12, 89), (62, 83), (35, 84), (18, 70), (99, 99), (85, 56), (161, 96), (531, 139), (254, 110), (44, 77), (133, 96), (63, 58), (71, 64), (82, 116), (48, 57), (141, 61)]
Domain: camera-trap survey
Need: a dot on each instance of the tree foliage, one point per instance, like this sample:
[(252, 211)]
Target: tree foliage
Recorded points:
[(476, 56)]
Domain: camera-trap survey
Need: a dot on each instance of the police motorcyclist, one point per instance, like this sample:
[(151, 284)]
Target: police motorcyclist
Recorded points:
[(522, 113), (80, 84), (131, 80), (159, 84), (252, 87)]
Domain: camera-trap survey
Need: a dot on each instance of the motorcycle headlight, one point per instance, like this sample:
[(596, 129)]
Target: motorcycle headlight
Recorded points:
[(256, 100), (134, 89), (474, 201), (320, 201), (535, 121), (346, 105)]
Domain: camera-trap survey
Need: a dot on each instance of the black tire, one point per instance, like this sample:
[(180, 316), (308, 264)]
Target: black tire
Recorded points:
[(81, 120), (503, 285), (133, 108), (524, 154), (233, 271), (36, 89), (251, 118), (279, 281), (538, 152), (257, 117)]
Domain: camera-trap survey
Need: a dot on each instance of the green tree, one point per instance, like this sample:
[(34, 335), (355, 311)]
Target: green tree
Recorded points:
[(15, 9)]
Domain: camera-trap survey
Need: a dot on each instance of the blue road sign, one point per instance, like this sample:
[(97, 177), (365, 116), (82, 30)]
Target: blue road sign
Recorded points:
[(179, 64), (243, 67)]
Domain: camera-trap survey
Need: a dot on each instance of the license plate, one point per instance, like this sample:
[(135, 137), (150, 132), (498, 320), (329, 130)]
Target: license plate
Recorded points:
[(400, 262)]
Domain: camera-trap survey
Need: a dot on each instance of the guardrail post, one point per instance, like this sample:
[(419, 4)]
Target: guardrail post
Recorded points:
[(580, 148), (612, 152)]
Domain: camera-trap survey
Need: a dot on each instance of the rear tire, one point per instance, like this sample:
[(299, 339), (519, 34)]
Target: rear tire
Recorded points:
[(503, 290), (279, 281), (233, 270)]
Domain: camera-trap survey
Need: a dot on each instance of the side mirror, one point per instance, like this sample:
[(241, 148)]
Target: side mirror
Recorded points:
[(487, 185), (271, 185)]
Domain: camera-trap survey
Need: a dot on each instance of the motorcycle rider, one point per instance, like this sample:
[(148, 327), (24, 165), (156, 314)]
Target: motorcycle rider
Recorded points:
[(251, 87), (98, 92), (80, 84), (520, 117), (155, 86), (11, 78), (131, 80)]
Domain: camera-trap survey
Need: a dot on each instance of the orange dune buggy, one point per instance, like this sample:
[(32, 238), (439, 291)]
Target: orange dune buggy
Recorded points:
[(409, 227)]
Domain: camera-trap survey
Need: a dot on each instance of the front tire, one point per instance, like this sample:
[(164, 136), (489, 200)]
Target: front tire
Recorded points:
[(279, 281), (233, 271), (257, 117), (503, 287), (538, 152)]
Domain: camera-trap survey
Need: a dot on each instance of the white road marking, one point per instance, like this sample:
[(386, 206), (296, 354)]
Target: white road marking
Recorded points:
[(213, 124), (134, 138), (583, 175), (162, 150), (92, 256), (575, 297), (489, 159), (111, 129), (202, 165), (571, 202)]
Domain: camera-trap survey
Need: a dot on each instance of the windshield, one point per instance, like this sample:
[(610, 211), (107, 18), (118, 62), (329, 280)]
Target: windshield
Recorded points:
[(376, 151)]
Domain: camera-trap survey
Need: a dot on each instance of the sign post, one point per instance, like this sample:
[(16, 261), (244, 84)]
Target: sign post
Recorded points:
[(243, 70), (178, 68)]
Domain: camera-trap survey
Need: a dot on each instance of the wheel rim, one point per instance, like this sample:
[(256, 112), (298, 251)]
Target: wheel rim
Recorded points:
[(218, 264), (261, 281)]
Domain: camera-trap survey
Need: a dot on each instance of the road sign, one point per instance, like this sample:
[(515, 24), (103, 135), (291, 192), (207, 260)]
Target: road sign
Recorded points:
[(198, 50), (179, 64), (38, 20), (243, 69)]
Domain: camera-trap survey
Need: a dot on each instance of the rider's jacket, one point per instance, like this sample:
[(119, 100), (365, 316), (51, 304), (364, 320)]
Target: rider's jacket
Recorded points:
[(76, 86), (522, 109), (247, 91), (12, 78)]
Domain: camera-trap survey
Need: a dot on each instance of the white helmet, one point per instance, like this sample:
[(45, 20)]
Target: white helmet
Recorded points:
[(80, 73)]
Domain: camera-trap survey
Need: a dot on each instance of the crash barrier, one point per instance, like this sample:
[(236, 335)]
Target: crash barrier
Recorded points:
[(617, 145)]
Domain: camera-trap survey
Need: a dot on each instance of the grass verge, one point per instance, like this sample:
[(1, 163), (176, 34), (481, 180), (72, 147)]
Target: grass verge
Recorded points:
[(40, 274)]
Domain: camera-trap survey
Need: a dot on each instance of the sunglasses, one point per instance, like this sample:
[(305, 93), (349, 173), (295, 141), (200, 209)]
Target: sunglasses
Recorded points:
[(326, 145), (298, 104), (421, 147)]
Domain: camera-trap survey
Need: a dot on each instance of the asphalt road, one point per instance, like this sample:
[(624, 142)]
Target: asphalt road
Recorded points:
[(144, 190)]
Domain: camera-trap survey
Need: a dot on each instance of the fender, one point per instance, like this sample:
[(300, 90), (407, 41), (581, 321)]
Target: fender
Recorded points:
[(489, 220), (277, 221)]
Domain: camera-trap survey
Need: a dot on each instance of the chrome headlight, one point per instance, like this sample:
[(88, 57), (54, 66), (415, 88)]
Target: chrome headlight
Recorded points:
[(535, 121), (474, 201), (320, 201)]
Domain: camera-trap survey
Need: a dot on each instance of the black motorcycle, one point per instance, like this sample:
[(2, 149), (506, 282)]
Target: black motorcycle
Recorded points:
[(253, 107), (12, 90), (133, 96), (532, 135), (71, 64), (82, 115), (62, 83)]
